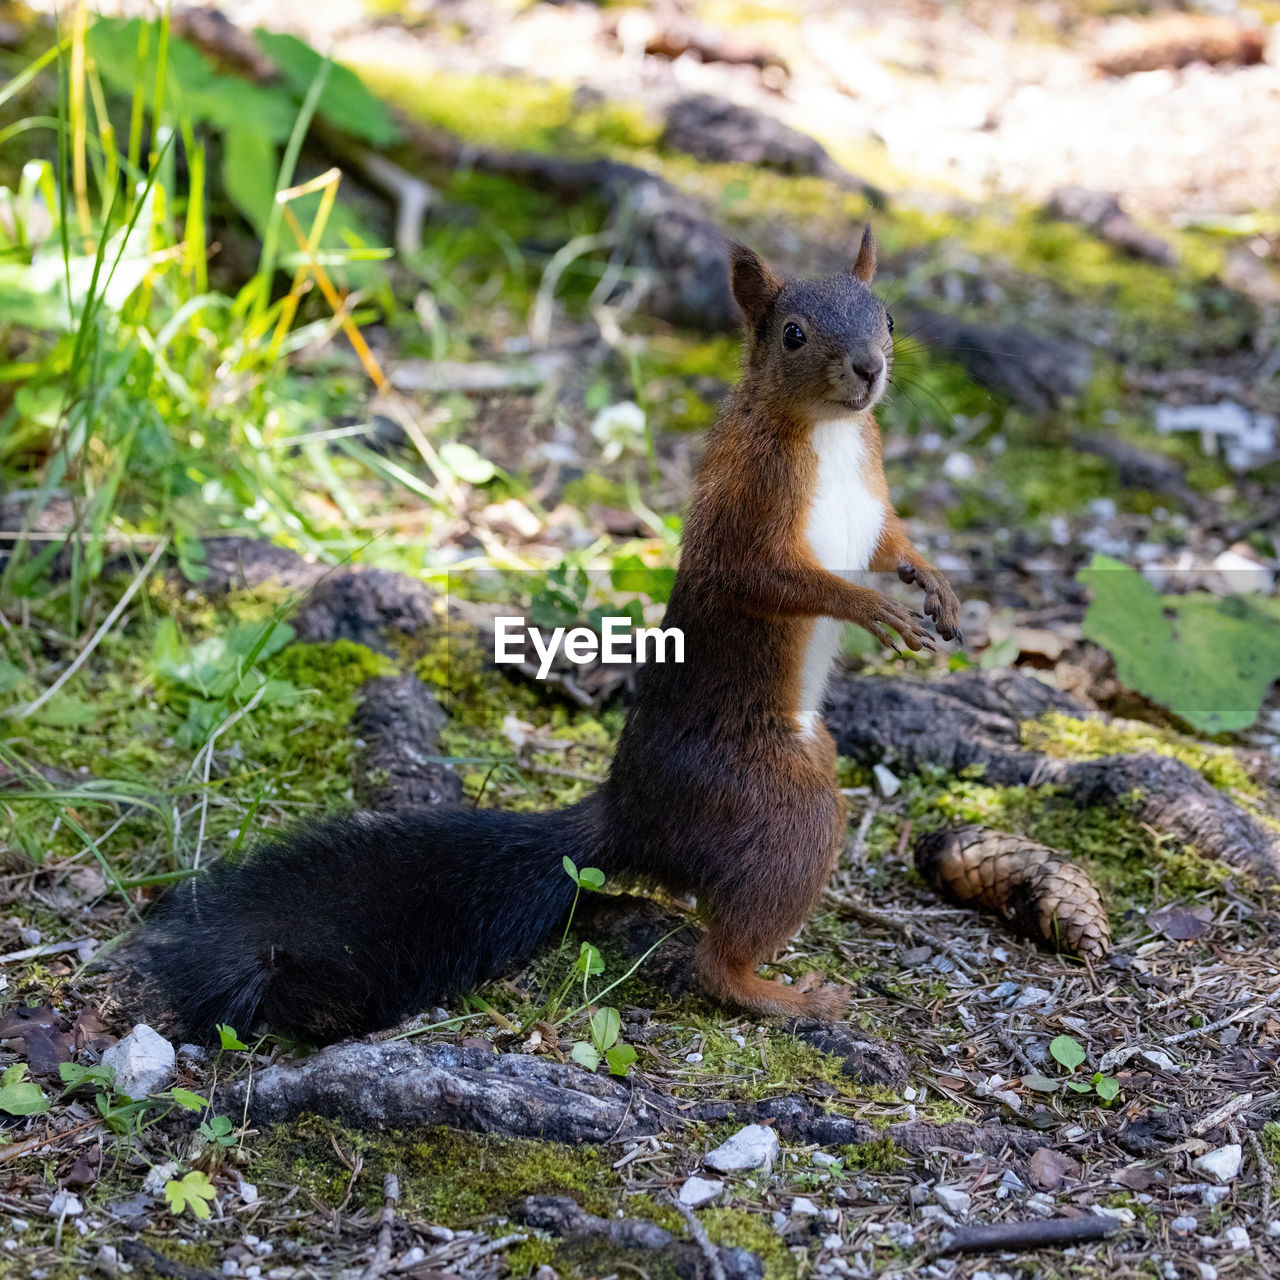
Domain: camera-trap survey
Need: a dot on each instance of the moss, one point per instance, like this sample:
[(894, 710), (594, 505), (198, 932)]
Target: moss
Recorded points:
[(1068, 738), (446, 1177), (880, 1155), (734, 1228)]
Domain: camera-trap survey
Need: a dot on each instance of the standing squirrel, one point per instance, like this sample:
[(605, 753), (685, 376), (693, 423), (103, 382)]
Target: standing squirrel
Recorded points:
[(723, 781)]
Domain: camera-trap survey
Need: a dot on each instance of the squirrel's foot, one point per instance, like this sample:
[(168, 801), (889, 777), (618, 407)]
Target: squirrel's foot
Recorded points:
[(891, 615), (940, 602)]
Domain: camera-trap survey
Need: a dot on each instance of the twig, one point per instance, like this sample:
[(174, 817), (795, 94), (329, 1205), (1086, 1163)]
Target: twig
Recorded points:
[(21, 713), (702, 1240), (45, 949), (1034, 1234), (1220, 1115), (851, 906), (1266, 1174), (382, 1254), (1210, 1027)]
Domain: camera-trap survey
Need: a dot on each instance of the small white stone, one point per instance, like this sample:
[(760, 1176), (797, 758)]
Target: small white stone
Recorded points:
[(699, 1191), (1126, 1216), (801, 1207), (230, 1267), (779, 1220), (1209, 1196), (1223, 1163), (1207, 1242), (1041, 1205), (693, 1057), (1237, 1238), (753, 1147), (832, 1241), (143, 1061), (953, 1200), (886, 780), (1170, 1271), (64, 1204), (248, 1192), (825, 1159), (1273, 1228), (1158, 1058), (412, 1257), (18, 1224), (1207, 1271), (1184, 1224)]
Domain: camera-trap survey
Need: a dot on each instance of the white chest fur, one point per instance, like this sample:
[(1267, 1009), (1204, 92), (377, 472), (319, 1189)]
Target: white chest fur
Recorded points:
[(844, 526)]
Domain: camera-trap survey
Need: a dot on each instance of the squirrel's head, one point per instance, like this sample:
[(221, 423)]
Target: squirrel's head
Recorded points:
[(821, 348)]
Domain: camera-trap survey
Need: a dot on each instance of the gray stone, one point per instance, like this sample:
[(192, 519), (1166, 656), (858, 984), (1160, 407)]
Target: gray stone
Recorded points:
[(1184, 1224), (64, 1204), (157, 1176), (143, 1062), (953, 1200), (1237, 1238), (753, 1147), (803, 1207), (699, 1191)]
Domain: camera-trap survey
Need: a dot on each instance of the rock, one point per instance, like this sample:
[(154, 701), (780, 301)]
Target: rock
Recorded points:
[(65, 1205), (886, 781), (1237, 1238), (1041, 1205), (825, 1159), (144, 1062), (1207, 1271), (953, 1200), (1222, 1163), (753, 1147), (699, 1191), (803, 1207), (1209, 1196), (1183, 1225)]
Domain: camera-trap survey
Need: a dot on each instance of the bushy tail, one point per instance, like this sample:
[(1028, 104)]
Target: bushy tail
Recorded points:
[(353, 924)]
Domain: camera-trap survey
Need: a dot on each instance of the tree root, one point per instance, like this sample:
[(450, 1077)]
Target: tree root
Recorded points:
[(975, 719)]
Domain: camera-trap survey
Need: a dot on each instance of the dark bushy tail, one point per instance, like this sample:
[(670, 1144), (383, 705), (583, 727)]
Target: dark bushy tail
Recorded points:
[(354, 924)]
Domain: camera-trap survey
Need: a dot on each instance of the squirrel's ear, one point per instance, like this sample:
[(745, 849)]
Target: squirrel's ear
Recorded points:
[(755, 283), (864, 266)]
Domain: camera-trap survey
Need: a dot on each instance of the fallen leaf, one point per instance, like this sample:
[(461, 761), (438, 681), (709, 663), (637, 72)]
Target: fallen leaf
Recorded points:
[(1050, 1169), (1137, 1177), (1181, 923)]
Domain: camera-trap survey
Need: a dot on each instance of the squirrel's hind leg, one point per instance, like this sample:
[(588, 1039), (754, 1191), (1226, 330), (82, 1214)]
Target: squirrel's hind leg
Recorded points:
[(729, 974)]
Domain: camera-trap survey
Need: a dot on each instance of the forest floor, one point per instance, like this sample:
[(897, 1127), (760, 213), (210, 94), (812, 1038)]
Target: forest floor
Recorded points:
[(978, 1079)]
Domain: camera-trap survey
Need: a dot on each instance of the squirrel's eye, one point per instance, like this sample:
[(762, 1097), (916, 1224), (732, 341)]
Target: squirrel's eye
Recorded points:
[(889, 319), (793, 337)]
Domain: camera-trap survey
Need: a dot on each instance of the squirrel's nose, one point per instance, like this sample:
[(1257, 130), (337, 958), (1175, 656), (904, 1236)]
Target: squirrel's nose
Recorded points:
[(869, 366)]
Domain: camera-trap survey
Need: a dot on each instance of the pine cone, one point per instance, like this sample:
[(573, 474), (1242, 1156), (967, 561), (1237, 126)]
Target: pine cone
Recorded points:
[(1040, 893)]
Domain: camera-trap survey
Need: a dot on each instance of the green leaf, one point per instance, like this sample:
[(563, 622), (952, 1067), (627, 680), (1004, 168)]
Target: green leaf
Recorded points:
[(620, 1059), (570, 868), (228, 1038), (20, 1096), (1209, 660), (1108, 1087), (606, 1024), (344, 102), (249, 164), (1041, 1084), (585, 1055), (192, 1192), (1067, 1051), (466, 463), (1079, 1086), (589, 960), (187, 1100), (591, 878)]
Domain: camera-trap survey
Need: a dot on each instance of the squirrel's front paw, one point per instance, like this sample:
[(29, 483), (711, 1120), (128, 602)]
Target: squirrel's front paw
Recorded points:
[(889, 614), (940, 602)]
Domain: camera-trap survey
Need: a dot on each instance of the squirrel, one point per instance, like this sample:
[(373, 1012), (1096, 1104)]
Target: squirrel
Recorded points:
[(723, 782)]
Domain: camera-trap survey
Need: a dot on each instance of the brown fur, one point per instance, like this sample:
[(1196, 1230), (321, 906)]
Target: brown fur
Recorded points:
[(714, 789)]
